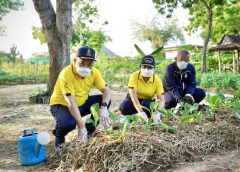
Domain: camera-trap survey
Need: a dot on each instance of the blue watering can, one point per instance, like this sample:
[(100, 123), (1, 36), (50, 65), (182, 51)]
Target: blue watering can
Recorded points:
[(31, 147)]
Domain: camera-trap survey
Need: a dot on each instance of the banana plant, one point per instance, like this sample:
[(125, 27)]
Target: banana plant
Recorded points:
[(139, 50), (168, 113), (215, 102), (191, 118), (189, 109), (94, 111), (236, 109)]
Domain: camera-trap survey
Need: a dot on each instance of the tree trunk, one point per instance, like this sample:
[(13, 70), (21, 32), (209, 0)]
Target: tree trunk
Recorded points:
[(57, 28), (209, 29)]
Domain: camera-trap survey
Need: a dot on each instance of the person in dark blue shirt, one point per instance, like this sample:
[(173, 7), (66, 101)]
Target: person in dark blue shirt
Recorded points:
[(180, 84)]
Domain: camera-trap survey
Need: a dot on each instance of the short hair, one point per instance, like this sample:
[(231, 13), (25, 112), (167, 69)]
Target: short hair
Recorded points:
[(182, 53)]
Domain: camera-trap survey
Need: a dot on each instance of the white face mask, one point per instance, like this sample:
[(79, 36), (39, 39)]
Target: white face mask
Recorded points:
[(147, 72), (83, 71), (182, 65)]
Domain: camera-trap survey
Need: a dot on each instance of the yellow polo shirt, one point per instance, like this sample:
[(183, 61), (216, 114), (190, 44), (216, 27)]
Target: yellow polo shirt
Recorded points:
[(70, 83), (145, 90)]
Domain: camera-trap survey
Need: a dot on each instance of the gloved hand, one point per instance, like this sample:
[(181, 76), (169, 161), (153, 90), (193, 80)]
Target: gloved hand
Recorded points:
[(104, 120), (156, 117), (188, 99), (83, 134), (143, 115)]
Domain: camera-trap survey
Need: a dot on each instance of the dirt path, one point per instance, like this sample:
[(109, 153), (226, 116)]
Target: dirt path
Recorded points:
[(16, 113)]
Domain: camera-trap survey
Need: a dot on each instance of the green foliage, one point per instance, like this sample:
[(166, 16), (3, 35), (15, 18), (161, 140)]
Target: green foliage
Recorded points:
[(13, 54), (226, 20), (37, 33), (236, 108), (221, 81), (139, 50), (95, 111), (188, 109), (84, 14), (22, 73)]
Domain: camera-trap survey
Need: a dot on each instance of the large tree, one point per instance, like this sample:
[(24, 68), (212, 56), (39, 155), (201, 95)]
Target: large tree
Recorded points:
[(207, 5), (226, 20), (57, 28), (158, 34)]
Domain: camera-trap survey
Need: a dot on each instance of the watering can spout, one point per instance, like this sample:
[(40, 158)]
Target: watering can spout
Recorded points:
[(43, 138)]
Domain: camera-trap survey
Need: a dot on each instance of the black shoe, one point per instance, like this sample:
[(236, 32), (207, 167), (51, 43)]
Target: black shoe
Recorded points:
[(59, 141)]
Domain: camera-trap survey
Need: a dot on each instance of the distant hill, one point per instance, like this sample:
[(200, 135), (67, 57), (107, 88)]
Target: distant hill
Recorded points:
[(106, 51)]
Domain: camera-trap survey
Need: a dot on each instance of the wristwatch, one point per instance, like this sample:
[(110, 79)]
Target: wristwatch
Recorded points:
[(104, 104)]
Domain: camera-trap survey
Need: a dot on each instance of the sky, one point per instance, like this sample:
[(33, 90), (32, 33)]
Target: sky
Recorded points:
[(119, 13)]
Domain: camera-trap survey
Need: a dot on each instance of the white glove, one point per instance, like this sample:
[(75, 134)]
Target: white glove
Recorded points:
[(143, 115), (156, 117), (104, 120), (83, 134), (189, 99)]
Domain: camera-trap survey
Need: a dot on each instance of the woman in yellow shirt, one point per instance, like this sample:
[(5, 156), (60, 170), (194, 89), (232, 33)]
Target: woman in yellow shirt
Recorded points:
[(144, 87)]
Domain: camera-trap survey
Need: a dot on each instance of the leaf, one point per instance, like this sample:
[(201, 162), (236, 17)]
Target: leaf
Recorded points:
[(215, 101), (165, 126), (145, 108), (198, 117), (112, 116), (163, 111), (95, 111), (115, 135), (237, 114), (174, 115), (194, 107), (187, 119), (89, 120), (139, 50), (125, 128), (154, 106), (156, 51)]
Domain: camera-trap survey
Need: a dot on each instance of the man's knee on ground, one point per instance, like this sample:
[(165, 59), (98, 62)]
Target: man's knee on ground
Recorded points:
[(199, 95), (170, 102), (67, 126)]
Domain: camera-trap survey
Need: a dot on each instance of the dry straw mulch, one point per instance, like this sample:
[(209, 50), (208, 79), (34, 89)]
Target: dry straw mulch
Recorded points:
[(161, 149)]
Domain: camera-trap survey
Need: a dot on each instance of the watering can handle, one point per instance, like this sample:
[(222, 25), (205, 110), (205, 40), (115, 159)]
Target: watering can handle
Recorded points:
[(28, 129)]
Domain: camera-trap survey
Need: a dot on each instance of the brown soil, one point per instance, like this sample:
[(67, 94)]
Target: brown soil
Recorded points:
[(16, 113)]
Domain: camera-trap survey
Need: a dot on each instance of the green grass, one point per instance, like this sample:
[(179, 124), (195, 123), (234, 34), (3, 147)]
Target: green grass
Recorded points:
[(116, 71)]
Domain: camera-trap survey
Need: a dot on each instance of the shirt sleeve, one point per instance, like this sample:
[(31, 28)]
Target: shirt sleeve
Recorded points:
[(132, 82), (159, 90), (99, 82), (66, 84)]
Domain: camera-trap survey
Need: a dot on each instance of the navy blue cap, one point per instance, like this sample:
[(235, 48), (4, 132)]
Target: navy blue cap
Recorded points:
[(148, 60), (86, 53)]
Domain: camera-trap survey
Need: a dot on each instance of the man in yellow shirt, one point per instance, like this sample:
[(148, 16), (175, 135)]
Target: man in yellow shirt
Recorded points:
[(143, 86), (70, 99)]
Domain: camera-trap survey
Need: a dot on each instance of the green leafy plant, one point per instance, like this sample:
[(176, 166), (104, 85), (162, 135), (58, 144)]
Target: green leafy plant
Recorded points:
[(188, 109), (236, 108), (95, 111)]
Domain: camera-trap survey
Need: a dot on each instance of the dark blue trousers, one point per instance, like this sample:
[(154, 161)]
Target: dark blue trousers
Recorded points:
[(65, 122), (170, 102), (127, 107)]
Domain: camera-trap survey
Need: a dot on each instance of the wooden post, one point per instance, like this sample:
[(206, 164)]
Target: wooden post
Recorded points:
[(219, 62), (238, 64), (234, 63)]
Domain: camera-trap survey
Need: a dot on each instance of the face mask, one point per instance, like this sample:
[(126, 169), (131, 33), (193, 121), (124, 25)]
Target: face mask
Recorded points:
[(147, 72), (182, 65), (83, 71)]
